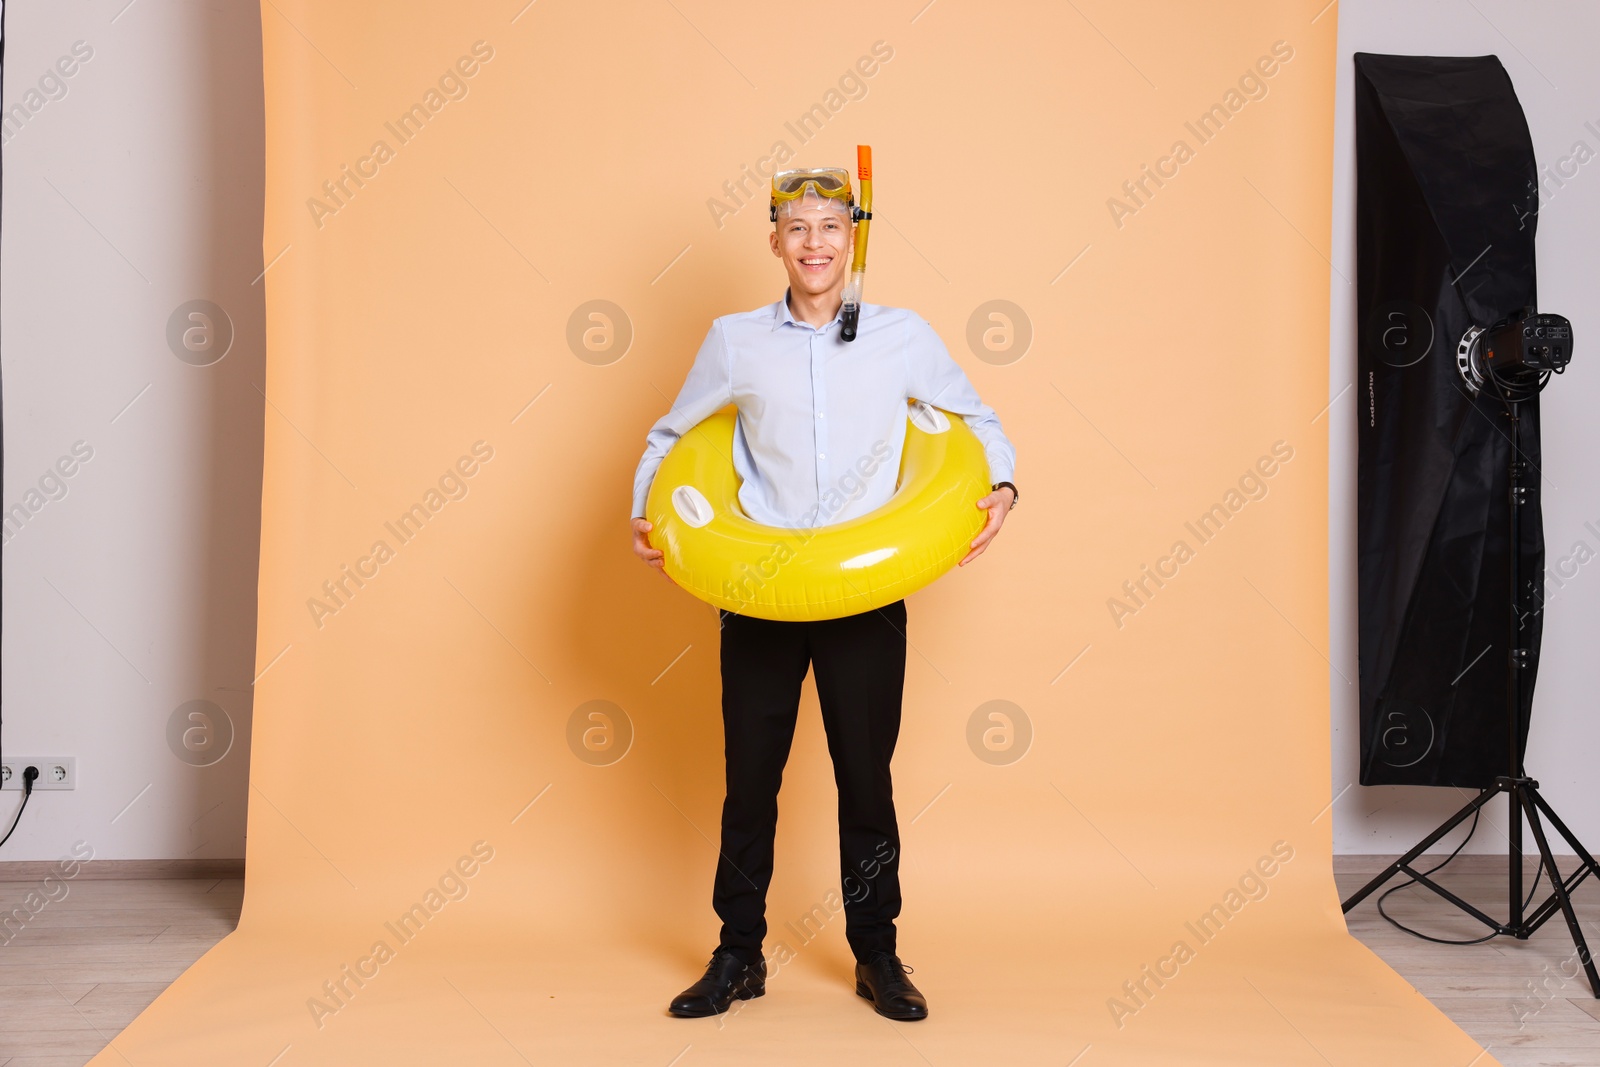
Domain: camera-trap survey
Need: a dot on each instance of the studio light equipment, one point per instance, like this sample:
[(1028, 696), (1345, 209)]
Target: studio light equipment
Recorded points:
[(1449, 522)]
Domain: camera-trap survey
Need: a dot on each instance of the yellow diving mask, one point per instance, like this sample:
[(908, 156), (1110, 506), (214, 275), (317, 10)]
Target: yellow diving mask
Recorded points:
[(832, 183)]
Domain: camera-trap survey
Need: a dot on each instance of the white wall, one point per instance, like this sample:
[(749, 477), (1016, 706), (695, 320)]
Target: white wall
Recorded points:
[(140, 190), (1548, 49)]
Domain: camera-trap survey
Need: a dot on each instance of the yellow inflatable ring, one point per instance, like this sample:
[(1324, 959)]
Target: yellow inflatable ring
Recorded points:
[(712, 549)]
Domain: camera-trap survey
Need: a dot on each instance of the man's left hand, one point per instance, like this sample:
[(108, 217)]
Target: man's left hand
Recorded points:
[(996, 504)]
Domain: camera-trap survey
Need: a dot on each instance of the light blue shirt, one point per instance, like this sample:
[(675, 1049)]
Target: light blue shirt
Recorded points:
[(822, 422)]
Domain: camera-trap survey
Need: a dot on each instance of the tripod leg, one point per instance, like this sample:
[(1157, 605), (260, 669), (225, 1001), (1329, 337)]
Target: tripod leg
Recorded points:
[(1561, 828), (1428, 842), (1560, 889)]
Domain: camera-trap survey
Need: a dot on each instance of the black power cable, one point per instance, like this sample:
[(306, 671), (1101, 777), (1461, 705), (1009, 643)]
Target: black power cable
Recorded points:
[(1398, 925), (27, 791)]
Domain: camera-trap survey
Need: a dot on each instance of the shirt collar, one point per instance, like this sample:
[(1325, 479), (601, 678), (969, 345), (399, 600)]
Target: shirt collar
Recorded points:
[(782, 314)]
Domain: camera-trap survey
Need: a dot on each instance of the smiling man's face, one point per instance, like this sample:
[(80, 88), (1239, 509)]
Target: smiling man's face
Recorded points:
[(814, 243)]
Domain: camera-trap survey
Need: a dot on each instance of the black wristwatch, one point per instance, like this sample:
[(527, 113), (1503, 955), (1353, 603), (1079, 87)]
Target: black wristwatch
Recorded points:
[(1015, 496)]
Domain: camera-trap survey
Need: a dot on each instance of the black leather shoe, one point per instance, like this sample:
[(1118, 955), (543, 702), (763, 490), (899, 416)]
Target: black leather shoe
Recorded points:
[(881, 978), (727, 978)]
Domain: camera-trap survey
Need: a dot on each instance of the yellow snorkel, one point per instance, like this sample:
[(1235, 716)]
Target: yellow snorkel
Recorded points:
[(793, 187), (851, 313)]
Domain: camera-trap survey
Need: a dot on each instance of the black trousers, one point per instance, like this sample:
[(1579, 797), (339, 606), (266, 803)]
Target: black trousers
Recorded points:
[(860, 664)]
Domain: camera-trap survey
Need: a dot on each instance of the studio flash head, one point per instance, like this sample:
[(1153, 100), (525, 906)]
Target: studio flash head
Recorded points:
[(1517, 355)]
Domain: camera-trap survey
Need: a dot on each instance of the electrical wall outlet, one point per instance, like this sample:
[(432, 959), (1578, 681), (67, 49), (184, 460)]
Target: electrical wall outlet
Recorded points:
[(55, 772)]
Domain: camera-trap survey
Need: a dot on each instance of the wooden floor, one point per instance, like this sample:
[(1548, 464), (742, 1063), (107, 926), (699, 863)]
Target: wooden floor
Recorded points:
[(87, 963), (1514, 997)]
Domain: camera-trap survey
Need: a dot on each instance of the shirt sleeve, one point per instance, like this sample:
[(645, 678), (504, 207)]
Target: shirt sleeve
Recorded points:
[(706, 390), (935, 378)]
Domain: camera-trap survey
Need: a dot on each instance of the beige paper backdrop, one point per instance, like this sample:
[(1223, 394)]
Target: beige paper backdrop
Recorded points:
[(420, 740)]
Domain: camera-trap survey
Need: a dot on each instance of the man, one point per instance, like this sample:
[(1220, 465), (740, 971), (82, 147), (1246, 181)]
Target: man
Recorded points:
[(810, 405)]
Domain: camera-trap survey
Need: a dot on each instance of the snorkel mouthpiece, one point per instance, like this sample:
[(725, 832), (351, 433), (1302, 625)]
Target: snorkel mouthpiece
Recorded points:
[(850, 315)]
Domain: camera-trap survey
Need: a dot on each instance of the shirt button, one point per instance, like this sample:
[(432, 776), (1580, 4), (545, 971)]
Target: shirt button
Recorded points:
[(819, 414), (822, 455)]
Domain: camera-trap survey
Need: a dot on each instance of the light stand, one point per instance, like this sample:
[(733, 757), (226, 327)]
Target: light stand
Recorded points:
[(1522, 792)]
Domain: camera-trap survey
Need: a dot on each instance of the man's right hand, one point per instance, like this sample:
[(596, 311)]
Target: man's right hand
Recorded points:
[(642, 549)]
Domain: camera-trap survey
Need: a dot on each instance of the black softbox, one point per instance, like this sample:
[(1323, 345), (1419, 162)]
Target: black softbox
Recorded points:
[(1446, 203)]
